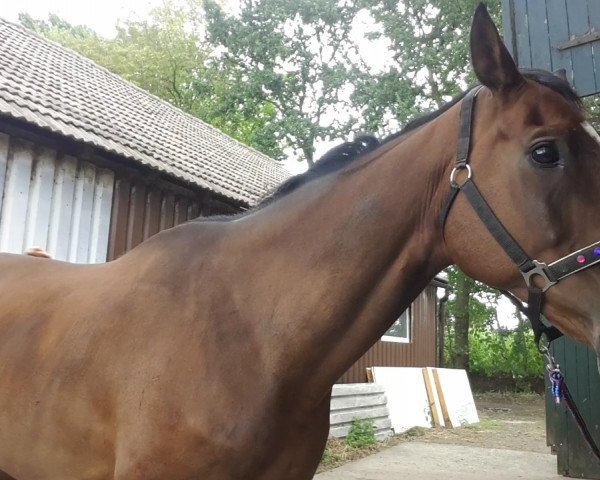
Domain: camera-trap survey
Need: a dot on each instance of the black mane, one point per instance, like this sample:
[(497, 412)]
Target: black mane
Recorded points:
[(334, 160), (340, 156)]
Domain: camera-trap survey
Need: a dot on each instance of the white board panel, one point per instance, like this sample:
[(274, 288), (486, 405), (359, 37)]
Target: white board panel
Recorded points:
[(457, 395), (407, 396)]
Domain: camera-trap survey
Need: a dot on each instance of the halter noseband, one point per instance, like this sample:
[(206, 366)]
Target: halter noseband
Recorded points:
[(549, 274)]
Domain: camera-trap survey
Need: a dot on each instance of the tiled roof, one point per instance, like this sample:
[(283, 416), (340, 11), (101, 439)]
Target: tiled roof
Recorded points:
[(58, 90)]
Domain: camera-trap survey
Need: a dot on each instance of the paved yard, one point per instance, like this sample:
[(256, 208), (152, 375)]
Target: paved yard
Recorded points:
[(433, 461), (508, 444)]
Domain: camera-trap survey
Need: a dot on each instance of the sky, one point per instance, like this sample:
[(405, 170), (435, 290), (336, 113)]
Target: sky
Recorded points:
[(101, 16)]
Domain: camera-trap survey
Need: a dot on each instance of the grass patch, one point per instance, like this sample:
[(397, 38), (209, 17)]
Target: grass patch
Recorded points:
[(338, 452), (361, 434)]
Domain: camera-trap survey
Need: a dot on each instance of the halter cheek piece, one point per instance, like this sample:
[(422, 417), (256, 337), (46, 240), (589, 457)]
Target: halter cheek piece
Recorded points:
[(548, 274)]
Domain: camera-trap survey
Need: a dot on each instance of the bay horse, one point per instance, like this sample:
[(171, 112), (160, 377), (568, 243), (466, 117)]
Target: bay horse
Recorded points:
[(210, 350)]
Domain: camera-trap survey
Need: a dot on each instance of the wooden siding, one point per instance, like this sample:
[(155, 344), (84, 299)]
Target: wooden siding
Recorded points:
[(555, 34), (54, 201), (420, 352), (578, 365), (142, 208)]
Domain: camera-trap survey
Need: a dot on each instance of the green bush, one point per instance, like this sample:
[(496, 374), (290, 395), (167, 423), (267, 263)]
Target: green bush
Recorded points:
[(494, 352), (362, 433)]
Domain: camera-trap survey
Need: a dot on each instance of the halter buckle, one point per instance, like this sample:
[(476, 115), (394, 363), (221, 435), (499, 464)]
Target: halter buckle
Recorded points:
[(540, 269)]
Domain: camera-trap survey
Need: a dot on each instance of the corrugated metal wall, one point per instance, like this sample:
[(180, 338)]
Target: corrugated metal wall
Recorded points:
[(80, 212), (53, 201), (420, 352)]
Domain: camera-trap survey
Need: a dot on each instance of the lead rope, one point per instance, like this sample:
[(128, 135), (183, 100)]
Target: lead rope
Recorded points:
[(561, 391)]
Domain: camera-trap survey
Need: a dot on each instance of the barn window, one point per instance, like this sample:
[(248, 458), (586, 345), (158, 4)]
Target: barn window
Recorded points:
[(400, 330)]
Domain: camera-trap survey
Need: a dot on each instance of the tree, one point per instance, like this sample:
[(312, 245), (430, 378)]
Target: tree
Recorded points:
[(167, 56), (298, 57), (429, 56), (472, 308)]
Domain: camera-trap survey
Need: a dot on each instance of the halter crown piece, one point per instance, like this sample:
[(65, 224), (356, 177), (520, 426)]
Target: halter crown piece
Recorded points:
[(547, 274)]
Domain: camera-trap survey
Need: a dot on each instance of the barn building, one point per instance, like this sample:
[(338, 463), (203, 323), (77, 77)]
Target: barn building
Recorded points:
[(90, 166)]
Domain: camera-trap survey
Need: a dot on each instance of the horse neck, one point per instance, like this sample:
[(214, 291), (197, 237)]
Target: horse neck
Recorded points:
[(342, 257)]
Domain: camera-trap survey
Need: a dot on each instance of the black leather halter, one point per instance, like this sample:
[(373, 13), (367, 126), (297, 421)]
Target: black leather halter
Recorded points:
[(547, 275)]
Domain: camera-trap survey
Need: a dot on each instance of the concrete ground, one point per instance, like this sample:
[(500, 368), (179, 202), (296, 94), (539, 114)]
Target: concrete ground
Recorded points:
[(431, 461)]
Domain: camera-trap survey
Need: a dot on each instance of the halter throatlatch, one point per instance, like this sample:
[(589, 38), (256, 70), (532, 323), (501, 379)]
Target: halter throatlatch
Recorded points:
[(538, 276)]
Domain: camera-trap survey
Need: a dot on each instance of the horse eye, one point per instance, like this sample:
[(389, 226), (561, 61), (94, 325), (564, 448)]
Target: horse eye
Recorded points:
[(545, 154)]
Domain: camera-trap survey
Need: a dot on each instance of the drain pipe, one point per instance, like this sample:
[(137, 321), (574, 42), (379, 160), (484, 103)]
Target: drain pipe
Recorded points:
[(441, 319)]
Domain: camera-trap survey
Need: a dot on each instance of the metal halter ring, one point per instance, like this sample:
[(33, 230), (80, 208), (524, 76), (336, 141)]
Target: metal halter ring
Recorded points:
[(455, 170)]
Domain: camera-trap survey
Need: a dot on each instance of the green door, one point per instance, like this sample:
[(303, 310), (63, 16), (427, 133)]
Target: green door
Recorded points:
[(578, 365), (555, 34)]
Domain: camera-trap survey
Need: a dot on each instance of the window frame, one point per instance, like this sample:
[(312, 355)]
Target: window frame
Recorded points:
[(407, 339)]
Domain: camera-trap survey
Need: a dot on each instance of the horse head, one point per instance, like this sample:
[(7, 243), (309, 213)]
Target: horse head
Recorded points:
[(536, 161)]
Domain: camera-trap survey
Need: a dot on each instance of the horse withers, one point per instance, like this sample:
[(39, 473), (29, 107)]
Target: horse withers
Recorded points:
[(210, 350)]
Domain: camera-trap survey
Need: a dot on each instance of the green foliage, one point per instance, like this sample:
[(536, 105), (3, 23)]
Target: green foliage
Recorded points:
[(498, 352), (429, 42), (362, 433), (492, 350), (591, 106), (297, 56)]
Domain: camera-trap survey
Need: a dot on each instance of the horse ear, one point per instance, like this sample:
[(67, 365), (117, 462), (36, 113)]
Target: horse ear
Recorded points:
[(562, 74), (493, 65)]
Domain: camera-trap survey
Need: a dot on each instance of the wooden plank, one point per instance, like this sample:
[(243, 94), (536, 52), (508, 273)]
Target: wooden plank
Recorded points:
[(181, 208), (369, 375), (558, 30), (573, 455), (538, 35), (193, 210), (136, 219), (152, 214), (508, 21), (522, 33), (594, 12), (117, 244), (167, 211), (431, 397), (589, 37), (583, 68), (440, 392)]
